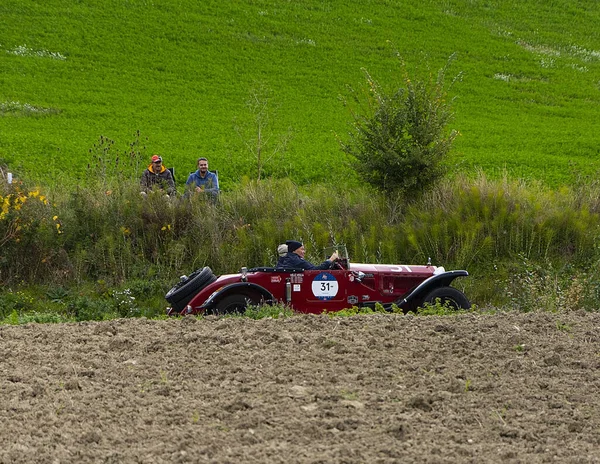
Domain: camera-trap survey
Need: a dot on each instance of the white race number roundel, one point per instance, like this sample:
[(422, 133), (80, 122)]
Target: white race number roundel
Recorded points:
[(324, 286)]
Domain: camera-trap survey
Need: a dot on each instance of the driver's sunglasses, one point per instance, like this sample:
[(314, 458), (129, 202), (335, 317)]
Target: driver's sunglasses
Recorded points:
[(156, 162)]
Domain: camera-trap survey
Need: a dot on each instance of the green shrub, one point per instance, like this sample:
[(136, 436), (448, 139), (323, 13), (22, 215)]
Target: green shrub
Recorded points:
[(30, 233), (15, 301), (85, 308), (399, 138)]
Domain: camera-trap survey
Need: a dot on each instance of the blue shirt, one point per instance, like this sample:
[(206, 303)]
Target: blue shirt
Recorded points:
[(210, 182)]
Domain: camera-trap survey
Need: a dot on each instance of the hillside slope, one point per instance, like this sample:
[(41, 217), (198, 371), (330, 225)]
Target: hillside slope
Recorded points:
[(181, 72)]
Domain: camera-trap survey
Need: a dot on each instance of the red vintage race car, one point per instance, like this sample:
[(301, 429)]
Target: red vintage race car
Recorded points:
[(343, 286)]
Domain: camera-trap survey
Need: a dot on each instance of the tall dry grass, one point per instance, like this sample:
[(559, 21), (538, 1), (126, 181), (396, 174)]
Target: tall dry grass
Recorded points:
[(499, 230)]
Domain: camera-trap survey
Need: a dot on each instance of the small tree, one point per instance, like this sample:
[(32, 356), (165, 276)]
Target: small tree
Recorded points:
[(400, 139), (257, 134)]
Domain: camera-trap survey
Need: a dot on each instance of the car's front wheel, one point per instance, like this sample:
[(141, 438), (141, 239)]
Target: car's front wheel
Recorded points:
[(448, 296)]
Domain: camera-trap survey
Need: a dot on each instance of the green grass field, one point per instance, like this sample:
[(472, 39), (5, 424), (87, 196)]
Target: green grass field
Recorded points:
[(181, 72)]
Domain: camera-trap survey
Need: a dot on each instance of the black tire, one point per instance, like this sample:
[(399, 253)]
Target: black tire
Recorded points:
[(179, 305), (235, 303), (187, 288), (450, 296)]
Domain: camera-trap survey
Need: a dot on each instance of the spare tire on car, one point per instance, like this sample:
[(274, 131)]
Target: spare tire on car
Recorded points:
[(181, 294)]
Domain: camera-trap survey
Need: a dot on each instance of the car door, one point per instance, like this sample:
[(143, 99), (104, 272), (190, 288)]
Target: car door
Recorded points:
[(321, 290)]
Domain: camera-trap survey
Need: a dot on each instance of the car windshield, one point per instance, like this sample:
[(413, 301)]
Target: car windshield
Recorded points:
[(341, 251)]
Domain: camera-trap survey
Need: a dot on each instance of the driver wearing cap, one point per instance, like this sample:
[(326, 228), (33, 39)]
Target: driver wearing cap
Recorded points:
[(295, 258)]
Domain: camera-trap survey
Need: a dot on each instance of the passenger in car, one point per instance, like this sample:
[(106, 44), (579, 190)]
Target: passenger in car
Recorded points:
[(281, 251), (294, 258)]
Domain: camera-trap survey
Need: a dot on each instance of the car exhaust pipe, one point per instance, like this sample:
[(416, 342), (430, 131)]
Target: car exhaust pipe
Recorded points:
[(288, 290)]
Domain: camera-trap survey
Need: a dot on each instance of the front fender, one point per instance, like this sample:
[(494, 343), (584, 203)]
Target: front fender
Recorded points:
[(415, 297), (243, 288)]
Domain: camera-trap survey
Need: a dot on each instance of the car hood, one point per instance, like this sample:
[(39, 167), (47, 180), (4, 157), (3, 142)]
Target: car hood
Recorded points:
[(396, 268)]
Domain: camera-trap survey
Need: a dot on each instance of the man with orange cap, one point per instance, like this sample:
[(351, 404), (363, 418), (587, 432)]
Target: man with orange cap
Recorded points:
[(157, 176)]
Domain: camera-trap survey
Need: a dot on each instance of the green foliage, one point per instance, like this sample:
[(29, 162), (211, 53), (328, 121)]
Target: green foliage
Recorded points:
[(399, 138), (29, 304), (519, 348), (28, 228), (477, 221), (439, 309), (268, 311), (57, 294), (15, 302), (107, 163), (84, 308), (355, 310), (533, 286), (117, 253), (564, 327), (12, 318), (46, 317), (468, 385)]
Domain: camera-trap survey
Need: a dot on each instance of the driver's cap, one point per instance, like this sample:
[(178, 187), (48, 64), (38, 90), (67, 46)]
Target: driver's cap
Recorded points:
[(293, 245)]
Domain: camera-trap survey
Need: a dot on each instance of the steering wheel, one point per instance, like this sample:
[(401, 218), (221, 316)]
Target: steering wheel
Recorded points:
[(337, 264)]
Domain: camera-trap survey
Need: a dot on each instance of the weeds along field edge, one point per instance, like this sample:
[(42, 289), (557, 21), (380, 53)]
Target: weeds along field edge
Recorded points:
[(103, 250)]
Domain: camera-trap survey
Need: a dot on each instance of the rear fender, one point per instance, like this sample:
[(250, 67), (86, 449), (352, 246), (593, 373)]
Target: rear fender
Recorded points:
[(416, 296), (242, 288)]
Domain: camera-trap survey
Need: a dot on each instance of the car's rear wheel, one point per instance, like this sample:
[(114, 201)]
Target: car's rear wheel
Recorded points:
[(448, 296), (235, 303), (181, 294)]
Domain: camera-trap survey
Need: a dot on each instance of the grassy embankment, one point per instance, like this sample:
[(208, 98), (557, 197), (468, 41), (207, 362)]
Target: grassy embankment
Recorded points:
[(527, 247), (181, 74)]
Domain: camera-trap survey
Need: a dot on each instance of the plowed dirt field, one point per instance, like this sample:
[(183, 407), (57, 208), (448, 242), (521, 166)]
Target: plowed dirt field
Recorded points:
[(307, 389)]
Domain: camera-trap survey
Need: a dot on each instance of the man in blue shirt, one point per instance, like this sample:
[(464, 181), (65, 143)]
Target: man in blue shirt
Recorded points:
[(203, 180), (295, 258)]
